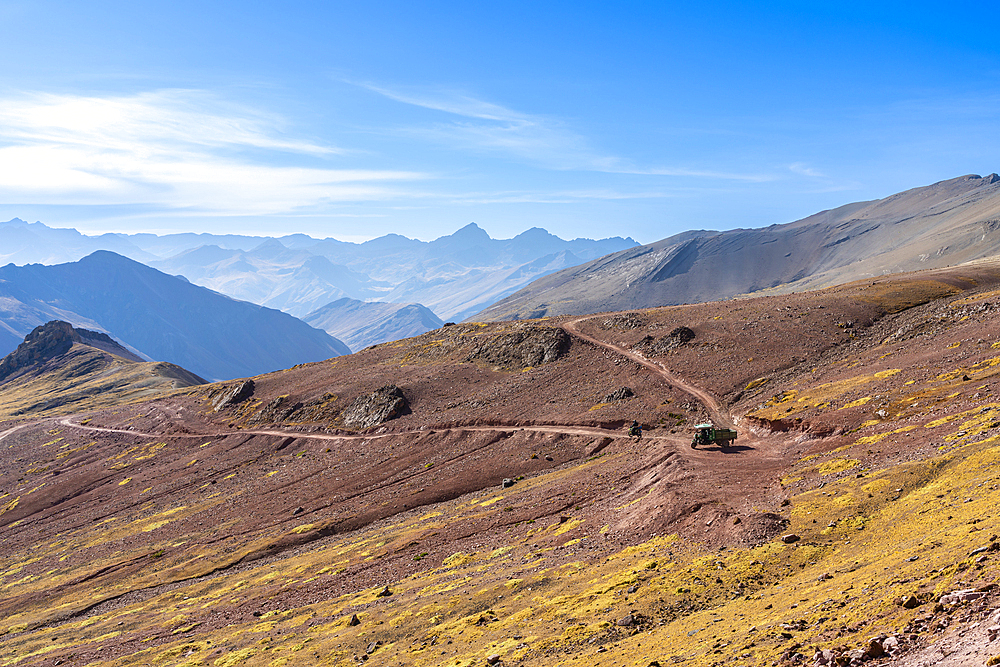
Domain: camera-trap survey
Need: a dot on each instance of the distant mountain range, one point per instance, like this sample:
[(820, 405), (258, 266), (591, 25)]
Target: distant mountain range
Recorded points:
[(158, 316), (465, 275), (455, 276), (364, 323), (943, 224)]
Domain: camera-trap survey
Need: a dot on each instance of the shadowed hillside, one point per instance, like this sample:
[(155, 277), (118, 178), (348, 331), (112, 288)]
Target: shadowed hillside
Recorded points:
[(469, 496), (164, 317)]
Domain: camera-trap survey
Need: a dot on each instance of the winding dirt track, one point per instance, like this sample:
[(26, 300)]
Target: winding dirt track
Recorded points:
[(16, 428), (553, 428), (719, 417)]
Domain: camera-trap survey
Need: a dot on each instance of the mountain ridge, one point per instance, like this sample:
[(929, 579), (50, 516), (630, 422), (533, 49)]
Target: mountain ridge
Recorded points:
[(60, 369), (361, 324), (256, 268), (55, 338), (164, 317), (944, 223)]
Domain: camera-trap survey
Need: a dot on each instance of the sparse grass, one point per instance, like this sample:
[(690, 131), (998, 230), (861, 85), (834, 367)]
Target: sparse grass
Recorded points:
[(868, 536)]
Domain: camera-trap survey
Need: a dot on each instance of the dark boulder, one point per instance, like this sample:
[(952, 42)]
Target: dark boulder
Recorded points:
[(682, 335), (380, 406), (620, 394), (523, 347), (233, 394)]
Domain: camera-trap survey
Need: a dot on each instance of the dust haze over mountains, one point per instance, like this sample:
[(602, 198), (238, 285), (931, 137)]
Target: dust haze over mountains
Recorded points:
[(393, 287), (329, 283), (455, 276)]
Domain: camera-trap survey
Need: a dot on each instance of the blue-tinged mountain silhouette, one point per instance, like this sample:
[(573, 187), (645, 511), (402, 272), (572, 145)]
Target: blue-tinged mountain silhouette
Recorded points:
[(454, 276), (163, 317), (364, 323)]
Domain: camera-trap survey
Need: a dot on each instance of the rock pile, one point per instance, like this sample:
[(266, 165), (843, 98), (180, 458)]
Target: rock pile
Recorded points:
[(624, 321), (526, 346), (380, 406), (875, 647), (233, 394), (620, 394), (650, 345), (274, 411)]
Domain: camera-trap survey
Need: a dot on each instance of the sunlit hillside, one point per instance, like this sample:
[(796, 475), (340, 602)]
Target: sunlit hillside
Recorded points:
[(501, 515)]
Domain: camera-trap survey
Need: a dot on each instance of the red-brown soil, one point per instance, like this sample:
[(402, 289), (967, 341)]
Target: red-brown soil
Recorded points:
[(108, 510)]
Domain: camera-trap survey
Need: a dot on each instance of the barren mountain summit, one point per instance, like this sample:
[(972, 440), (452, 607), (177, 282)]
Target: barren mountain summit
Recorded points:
[(60, 368), (53, 339)]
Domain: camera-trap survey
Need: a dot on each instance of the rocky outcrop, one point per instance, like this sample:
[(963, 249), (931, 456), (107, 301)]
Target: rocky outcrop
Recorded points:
[(620, 394), (51, 340), (233, 394), (523, 347), (649, 345), (380, 406), (275, 411), (682, 335)]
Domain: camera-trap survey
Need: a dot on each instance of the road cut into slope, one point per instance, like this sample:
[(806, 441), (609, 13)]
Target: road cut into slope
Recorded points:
[(719, 416)]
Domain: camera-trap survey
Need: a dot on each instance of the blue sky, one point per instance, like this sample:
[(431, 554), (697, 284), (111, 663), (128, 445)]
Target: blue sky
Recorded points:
[(356, 119)]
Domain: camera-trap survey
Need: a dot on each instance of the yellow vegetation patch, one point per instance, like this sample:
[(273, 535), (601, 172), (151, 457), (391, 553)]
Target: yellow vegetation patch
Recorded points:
[(837, 465), (458, 559), (818, 397), (858, 403), (567, 526), (236, 657), (9, 505)]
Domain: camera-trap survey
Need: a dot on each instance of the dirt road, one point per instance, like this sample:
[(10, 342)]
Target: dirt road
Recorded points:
[(719, 416)]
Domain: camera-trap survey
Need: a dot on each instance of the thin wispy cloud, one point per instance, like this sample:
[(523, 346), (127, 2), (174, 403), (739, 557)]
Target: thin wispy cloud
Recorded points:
[(485, 126), (482, 126), (821, 182), (802, 169), (179, 149), (451, 102), (695, 173)]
